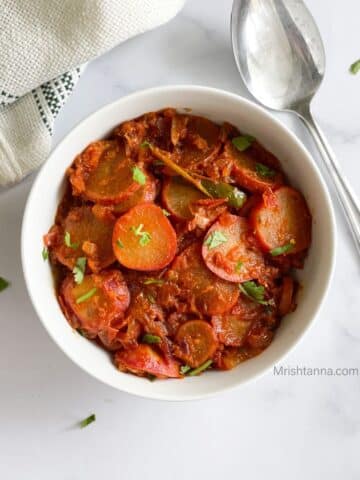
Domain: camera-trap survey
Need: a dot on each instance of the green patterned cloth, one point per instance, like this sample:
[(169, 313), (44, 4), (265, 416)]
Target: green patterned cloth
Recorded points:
[(39, 40)]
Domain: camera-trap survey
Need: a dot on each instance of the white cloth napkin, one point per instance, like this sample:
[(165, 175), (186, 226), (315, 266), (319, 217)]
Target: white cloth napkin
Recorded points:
[(43, 47)]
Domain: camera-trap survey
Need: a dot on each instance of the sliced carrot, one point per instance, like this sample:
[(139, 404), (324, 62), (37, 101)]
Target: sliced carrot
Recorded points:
[(143, 360), (249, 172), (196, 342), (230, 252), (145, 194), (89, 232), (95, 303), (283, 220), (232, 328), (198, 288), (286, 298), (177, 195), (102, 173), (144, 239)]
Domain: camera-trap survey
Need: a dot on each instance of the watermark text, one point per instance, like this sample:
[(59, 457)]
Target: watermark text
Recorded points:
[(305, 371)]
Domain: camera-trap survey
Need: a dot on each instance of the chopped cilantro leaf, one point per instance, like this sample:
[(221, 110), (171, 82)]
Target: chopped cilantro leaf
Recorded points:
[(355, 67), (149, 338), (86, 295), (215, 239), (67, 241), (284, 249), (3, 284), (79, 270), (243, 142), (138, 175), (264, 171), (84, 423)]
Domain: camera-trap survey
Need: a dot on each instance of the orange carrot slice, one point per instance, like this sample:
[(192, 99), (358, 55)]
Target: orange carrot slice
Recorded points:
[(143, 360), (282, 222), (230, 252), (196, 342), (144, 239), (99, 300)]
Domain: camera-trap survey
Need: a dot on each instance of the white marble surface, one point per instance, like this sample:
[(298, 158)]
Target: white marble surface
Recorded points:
[(277, 428)]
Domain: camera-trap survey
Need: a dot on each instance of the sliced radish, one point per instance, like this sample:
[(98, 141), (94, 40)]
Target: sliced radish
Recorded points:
[(143, 360), (230, 252), (251, 173), (200, 289), (98, 301), (282, 221)]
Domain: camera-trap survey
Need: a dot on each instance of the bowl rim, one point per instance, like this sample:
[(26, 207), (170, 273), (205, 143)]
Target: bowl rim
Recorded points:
[(287, 132)]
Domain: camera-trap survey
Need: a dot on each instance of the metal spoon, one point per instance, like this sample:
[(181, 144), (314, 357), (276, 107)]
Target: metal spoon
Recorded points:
[(281, 59)]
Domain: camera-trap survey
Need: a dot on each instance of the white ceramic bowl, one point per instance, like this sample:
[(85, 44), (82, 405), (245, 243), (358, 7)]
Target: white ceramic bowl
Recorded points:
[(217, 105)]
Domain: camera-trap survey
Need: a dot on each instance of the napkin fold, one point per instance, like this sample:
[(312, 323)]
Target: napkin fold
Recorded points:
[(44, 46)]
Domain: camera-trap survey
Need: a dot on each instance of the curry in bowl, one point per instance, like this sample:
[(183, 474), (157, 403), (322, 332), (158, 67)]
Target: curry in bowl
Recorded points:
[(175, 245)]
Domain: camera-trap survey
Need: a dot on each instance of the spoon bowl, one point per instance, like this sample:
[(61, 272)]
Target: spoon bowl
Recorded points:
[(281, 58), (283, 62)]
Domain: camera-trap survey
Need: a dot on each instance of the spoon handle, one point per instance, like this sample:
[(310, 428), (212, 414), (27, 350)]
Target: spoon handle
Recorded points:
[(348, 200)]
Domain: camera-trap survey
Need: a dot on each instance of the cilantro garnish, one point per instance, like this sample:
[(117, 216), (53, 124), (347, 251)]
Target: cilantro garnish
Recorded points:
[(355, 67), (284, 249), (90, 419), (264, 171), (67, 241), (149, 338), (86, 295), (255, 292), (3, 284), (79, 270), (215, 239), (138, 175), (243, 142), (145, 237), (200, 369)]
